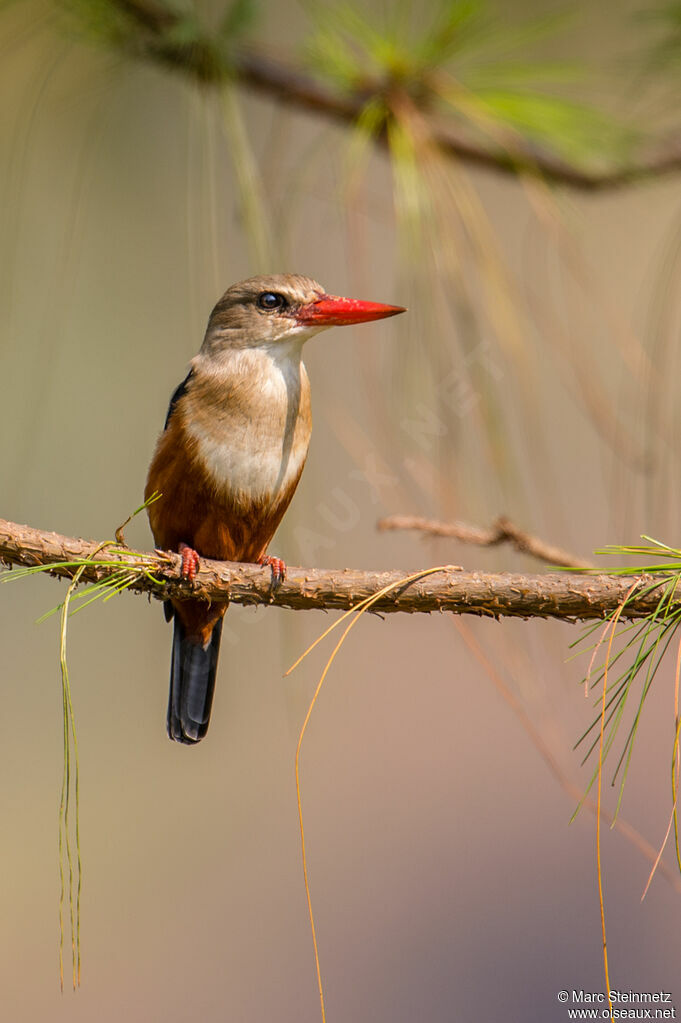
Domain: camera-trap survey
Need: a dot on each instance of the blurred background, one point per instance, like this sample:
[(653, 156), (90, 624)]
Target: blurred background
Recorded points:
[(510, 173)]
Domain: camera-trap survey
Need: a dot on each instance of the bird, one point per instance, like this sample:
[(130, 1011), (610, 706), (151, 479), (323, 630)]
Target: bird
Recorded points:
[(230, 456)]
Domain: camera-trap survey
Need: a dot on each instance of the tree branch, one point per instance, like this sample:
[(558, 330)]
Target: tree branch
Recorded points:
[(501, 531), (566, 596), (159, 28), (306, 92)]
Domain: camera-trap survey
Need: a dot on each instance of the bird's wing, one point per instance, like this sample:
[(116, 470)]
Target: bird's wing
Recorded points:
[(177, 394)]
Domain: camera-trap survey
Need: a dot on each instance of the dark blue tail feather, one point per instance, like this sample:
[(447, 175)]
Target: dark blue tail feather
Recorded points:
[(192, 683)]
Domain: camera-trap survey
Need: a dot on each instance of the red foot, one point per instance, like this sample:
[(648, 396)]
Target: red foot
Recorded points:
[(278, 568), (190, 562)]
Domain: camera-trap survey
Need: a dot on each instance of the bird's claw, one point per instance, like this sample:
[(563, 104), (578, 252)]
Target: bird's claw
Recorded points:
[(277, 567), (190, 562)]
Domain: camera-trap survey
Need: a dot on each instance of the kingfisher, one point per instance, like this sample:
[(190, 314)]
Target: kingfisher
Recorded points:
[(230, 457)]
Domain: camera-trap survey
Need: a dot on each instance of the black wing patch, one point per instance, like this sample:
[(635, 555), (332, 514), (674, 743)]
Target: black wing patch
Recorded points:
[(177, 394)]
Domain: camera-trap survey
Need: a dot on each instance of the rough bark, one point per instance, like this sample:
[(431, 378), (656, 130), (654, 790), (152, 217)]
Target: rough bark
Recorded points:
[(567, 596)]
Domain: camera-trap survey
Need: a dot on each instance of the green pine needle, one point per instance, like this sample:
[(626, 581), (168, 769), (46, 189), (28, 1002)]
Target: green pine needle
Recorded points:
[(642, 650), (70, 862)]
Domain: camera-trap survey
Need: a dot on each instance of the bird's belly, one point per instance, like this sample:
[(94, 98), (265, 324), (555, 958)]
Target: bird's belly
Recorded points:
[(250, 470)]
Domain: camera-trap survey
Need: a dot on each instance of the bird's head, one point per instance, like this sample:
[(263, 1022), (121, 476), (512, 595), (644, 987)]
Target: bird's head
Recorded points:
[(269, 310)]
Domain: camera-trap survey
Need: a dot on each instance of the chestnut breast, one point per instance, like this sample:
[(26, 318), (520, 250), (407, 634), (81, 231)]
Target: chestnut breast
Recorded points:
[(231, 456)]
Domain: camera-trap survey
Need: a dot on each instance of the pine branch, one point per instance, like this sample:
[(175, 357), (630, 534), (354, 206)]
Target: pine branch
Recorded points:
[(201, 60), (300, 90), (565, 596)]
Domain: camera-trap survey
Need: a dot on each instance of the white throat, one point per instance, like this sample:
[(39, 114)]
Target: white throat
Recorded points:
[(254, 443)]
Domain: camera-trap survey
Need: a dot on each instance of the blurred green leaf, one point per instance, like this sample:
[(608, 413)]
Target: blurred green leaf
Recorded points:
[(350, 46), (493, 79), (574, 129), (161, 27), (665, 51), (239, 19)]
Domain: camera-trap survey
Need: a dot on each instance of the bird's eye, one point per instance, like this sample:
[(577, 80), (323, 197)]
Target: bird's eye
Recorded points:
[(271, 300)]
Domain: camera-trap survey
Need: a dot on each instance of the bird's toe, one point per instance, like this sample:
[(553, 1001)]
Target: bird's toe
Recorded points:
[(277, 568)]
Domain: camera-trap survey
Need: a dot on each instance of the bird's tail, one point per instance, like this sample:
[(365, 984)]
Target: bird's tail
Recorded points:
[(192, 682)]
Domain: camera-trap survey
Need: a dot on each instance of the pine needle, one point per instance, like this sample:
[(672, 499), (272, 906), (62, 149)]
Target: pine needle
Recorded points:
[(70, 861), (598, 801), (642, 653), (357, 611), (69, 733)]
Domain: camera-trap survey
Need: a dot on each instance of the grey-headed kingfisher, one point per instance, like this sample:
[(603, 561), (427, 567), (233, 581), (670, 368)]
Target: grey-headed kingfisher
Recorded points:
[(230, 456)]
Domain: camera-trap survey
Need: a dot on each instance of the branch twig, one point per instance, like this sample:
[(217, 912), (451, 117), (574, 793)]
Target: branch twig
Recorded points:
[(564, 596), (501, 531)]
